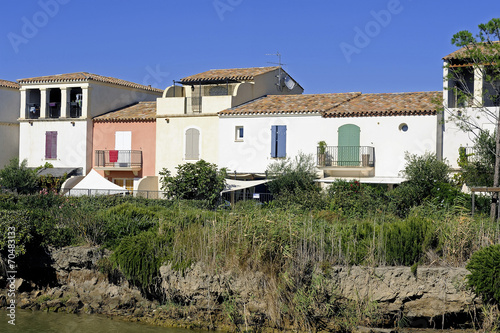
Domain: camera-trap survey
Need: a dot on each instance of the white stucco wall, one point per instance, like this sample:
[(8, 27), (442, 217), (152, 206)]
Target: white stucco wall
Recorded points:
[(170, 140), (107, 97), (304, 132), (73, 143), (454, 137)]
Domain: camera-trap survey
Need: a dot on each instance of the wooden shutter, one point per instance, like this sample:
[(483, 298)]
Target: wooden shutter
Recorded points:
[(51, 144), (281, 141), (278, 141), (192, 144)]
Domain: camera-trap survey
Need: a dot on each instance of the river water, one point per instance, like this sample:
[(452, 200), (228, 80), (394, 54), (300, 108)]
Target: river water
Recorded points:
[(42, 322)]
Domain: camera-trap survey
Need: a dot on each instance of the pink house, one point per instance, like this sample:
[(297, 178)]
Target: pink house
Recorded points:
[(124, 144)]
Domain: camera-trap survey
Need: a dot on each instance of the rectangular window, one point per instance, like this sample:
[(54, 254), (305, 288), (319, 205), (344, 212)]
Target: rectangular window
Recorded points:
[(51, 145), (238, 133), (278, 141)]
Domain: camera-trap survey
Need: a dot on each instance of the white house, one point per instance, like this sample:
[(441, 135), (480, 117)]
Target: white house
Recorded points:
[(187, 120), (9, 127), (482, 109), (367, 135), (56, 114)]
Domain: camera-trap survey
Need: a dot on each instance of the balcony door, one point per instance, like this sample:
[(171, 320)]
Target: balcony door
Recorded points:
[(348, 145), (123, 144)]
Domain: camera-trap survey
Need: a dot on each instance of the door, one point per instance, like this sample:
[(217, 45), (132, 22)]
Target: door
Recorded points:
[(123, 144), (348, 154)]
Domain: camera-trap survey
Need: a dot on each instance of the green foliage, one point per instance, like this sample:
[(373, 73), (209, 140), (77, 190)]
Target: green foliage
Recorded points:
[(291, 176), (484, 278), (195, 181), (354, 199), (18, 177), (423, 173), (17, 224), (139, 257), (478, 168)]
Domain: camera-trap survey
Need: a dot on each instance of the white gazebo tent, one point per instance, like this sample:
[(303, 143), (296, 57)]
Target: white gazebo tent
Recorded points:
[(95, 184)]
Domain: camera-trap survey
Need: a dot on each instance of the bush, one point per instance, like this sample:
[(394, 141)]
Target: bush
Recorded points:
[(354, 199), (194, 181), (17, 177), (484, 277), (139, 257), (292, 176)]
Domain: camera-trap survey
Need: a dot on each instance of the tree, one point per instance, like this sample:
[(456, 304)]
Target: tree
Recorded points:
[(478, 166), (17, 177), (478, 58), (196, 181)]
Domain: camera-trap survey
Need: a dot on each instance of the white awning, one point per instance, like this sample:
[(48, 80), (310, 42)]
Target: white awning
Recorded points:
[(235, 185), (95, 184)]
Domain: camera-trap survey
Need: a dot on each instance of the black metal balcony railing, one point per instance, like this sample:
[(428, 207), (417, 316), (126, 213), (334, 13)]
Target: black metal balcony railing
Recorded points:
[(33, 110), (118, 158), (346, 156), (54, 109), (75, 109)]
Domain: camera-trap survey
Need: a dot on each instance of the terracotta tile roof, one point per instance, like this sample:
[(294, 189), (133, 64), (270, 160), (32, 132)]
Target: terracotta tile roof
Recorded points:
[(390, 104), (462, 53), (142, 111), (231, 74), (275, 104), (9, 84), (84, 77)]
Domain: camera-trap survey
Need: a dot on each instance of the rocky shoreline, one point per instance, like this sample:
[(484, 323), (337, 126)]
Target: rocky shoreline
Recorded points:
[(75, 280)]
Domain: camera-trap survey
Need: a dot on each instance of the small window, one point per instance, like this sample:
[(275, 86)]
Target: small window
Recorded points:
[(238, 133), (403, 127)]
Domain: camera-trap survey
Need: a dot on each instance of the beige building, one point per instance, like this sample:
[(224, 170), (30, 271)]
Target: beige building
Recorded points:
[(187, 127), (9, 127)]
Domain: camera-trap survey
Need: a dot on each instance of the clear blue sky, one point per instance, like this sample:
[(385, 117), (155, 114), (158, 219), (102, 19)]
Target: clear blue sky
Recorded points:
[(327, 45)]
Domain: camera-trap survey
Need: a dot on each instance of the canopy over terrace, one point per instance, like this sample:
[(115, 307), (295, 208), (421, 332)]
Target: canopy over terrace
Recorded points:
[(95, 184)]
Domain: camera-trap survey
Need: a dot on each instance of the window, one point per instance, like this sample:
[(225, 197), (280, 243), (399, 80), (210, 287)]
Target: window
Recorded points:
[(278, 141), (51, 145), (403, 127), (192, 144), (238, 136), (127, 183)]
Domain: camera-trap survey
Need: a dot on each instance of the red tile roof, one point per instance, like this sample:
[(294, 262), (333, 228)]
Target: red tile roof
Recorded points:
[(142, 111), (275, 104), (9, 84), (389, 104), (84, 77), (343, 104), (237, 74), (462, 53)]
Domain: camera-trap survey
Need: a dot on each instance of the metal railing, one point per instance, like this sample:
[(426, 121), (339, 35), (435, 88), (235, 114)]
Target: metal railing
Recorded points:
[(242, 196), (75, 110), (96, 192), (54, 109), (346, 156), (118, 158)]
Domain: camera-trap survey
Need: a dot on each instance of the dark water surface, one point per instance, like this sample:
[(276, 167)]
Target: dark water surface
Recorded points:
[(42, 322)]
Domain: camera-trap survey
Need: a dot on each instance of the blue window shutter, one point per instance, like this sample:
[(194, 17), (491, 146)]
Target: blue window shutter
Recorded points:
[(281, 138), (274, 141)]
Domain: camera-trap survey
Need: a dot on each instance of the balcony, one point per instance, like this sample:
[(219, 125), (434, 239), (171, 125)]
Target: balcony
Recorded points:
[(119, 160), (347, 161)]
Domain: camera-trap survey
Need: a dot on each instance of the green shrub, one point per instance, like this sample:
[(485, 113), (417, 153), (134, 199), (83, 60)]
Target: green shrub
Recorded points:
[(139, 257), (484, 277), (355, 199), (18, 177), (17, 223)]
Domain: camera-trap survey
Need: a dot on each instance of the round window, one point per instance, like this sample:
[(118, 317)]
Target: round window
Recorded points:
[(403, 127)]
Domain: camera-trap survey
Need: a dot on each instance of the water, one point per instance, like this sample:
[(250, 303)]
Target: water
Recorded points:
[(42, 322)]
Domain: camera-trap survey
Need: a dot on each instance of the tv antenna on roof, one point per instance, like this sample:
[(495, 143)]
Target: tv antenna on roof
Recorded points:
[(280, 64)]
